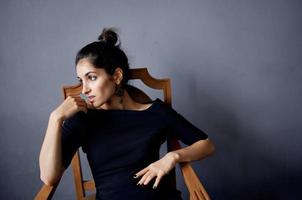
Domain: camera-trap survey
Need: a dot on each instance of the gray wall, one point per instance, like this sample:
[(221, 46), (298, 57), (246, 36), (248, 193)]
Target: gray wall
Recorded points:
[(236, 74)]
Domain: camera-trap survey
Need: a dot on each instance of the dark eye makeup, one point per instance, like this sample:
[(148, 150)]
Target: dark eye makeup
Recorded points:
[(93, 78)]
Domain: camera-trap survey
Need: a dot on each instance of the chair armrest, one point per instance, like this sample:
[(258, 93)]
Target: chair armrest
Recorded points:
[(46, 192), (195, 187)]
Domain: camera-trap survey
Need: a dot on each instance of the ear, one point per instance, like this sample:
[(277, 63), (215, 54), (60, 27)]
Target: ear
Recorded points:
[(118, 75)]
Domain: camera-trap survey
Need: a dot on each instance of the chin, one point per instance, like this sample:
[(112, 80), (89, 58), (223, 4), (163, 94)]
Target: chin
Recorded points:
[(97, 104)]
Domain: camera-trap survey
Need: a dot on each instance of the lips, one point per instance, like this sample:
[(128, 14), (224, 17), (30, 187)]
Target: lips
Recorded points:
[(90, 98)]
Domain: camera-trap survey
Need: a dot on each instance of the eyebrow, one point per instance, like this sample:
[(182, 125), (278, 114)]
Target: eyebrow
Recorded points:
[(87, 73)]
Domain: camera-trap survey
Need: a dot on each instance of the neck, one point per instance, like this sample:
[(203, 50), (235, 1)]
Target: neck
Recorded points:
[(114, 102)]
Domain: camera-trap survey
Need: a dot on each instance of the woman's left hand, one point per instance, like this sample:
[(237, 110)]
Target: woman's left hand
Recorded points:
[(157, 169)]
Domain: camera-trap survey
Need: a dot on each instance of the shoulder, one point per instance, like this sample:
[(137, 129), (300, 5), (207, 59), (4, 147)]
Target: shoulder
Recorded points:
[(164, 108), (163, 104), (75, 120)]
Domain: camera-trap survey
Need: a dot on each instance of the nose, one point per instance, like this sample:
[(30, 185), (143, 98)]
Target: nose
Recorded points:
[(85, 89)]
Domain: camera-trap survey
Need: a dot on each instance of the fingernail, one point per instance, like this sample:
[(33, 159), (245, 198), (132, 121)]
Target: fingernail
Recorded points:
[(154, 187), (135, 176), (138, 183)]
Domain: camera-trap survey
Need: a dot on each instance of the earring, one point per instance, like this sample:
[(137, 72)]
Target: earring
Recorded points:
[(119, 91)]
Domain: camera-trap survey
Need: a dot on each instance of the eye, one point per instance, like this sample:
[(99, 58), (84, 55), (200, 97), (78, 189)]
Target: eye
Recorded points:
[(92, 78)]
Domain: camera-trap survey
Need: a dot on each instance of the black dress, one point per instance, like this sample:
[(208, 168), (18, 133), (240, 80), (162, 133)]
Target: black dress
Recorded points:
[(120, 143)]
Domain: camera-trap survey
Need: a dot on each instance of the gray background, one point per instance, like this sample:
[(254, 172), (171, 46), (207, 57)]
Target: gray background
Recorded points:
[(235, 68)]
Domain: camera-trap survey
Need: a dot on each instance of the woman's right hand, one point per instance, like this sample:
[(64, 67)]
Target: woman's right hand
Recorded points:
[(70, 106)]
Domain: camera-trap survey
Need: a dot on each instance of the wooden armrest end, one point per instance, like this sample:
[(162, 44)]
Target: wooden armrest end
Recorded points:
[(195, 187), (46, 192)]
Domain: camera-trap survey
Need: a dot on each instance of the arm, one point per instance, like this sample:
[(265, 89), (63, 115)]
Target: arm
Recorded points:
[(50, 160), (196, 151), (199, 147)]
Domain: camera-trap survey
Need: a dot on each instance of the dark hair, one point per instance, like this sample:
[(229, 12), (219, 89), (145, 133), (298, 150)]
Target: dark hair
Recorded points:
[(106, 53)]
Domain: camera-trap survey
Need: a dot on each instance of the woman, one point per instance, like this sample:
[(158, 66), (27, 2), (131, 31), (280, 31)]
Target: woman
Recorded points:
[(120, 137)]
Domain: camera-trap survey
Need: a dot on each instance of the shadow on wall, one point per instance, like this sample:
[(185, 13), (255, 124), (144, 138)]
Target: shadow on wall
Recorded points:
[(240, 164)]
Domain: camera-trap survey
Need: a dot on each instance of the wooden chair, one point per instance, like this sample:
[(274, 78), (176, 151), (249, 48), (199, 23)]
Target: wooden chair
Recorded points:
[(195, 187)]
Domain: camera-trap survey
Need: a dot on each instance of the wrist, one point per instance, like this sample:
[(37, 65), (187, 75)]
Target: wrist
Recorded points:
[(56, 117), (174, 156)]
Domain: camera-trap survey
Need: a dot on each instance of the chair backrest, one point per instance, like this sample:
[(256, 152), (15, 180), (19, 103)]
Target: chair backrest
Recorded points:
[(138, 95)]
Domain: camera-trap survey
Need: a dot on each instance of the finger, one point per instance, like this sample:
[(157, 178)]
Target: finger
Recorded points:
[(143, 171), (149, 178), (74, 96), (81, 103), (77, 96), (82, 108), (89, 105), (158, 178), (78, 99), (144, 178)]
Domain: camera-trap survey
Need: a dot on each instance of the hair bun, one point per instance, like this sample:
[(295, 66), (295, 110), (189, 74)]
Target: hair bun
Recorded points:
[(109, 36)]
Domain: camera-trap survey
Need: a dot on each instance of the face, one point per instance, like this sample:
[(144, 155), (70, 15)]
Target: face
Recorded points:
[(98, 86)]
